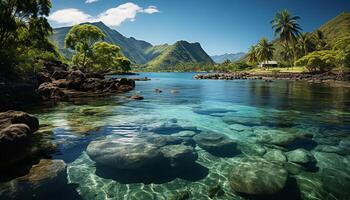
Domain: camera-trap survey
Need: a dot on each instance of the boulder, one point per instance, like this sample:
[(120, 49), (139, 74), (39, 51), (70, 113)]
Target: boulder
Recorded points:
[(163, 140), (18, 117), (275, 155), (179, 155), (300, 156), (44, 170), (59, 74), (287, 140), (76, 79), (256, 176), (14, 134), (61, 83), (125, 81), (49, 91), (137, 97), (43, 77), (124, 154), (92, 84), (216, 144)]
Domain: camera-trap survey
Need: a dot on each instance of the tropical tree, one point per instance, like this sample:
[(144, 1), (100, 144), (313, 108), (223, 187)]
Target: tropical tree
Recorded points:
[(252, 55), (105, 56), (304, 45), (287, 53), (320, 40), (124, 64), (81, 38), (264, 50), (286, 26), (23, 30)]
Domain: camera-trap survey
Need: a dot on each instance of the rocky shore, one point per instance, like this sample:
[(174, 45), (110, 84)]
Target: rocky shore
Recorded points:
[(57, 83), (310, 77)]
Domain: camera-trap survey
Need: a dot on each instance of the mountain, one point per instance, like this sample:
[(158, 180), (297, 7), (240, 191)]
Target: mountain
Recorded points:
[(142, 52), (182, 52), (337, 27), (227, 56), (131, 48)]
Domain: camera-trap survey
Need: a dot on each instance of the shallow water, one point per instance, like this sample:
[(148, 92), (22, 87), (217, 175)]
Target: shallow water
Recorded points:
[(243, 110)]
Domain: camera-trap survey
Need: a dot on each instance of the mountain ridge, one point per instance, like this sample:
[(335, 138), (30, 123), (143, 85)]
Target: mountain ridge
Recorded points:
[(228, 56), (141, 52)]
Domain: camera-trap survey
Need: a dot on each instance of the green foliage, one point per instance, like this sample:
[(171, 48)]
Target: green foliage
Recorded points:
[(286, 26), (24, 33), (105, 56), (336, 28), (81, 38), (253, 55), (124, 64), (319, 60), (264, 50)]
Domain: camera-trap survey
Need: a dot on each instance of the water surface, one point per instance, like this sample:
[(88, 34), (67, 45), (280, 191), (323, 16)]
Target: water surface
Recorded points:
[(217, 106)]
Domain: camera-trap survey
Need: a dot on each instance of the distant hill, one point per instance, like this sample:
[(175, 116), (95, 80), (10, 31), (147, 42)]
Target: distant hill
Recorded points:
[(182, 52), (141, 52), (337, 27), (228, 56)]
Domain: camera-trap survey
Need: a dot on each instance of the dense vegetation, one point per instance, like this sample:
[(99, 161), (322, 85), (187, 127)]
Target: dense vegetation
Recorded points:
[(26, 45), (24, 37), (91, 53), (323, 50)]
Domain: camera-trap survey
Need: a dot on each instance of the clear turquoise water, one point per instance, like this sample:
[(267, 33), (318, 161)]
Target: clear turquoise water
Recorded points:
[(207, 105)]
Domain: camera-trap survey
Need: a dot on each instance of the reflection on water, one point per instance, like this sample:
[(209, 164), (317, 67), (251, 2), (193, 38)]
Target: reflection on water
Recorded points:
[(294, 136)]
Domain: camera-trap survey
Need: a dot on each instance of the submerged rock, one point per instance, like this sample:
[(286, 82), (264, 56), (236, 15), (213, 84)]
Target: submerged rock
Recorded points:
[(287, 140), (125, 154), (256, 176), (300, 156), (275, 155), (179, 155), (44, 170), (216, 144), (215, 191)]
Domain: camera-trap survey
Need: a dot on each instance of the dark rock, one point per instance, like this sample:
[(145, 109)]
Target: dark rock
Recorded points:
[(18, 117), (52, 65), (287, 140), (183, 195), (43, 77), (95, 75), (158, 90), (256, 176), (125, 81), (49, 91), (61, 83), (275, 156), (137, 97), (59, 74), (14, 134), (76, 79), (216, 144), (216, 191)]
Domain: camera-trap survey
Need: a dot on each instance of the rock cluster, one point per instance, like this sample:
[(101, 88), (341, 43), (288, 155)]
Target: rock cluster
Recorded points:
[(56, 82), (17, 143), (268, 76)]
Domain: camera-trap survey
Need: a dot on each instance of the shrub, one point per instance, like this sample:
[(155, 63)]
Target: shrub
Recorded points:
[(319, 61)]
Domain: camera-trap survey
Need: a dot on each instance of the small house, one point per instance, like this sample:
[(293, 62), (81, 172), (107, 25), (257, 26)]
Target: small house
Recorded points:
[(270, 63)]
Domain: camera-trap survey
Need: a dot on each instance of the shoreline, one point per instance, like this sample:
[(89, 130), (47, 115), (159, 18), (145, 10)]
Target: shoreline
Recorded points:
[(327, 77)]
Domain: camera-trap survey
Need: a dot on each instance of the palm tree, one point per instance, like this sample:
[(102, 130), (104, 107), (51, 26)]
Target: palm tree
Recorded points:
[(252, 55), (264, 50), (286, 26), (320, 40), (304, 44), (287, 53)]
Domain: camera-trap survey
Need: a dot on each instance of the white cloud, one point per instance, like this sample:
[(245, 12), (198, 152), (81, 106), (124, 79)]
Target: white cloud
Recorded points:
[(111, 17), (91, 1), (151, 10), (69, 16)]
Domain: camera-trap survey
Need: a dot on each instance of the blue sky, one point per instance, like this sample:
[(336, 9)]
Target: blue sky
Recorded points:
[(221, 26)]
